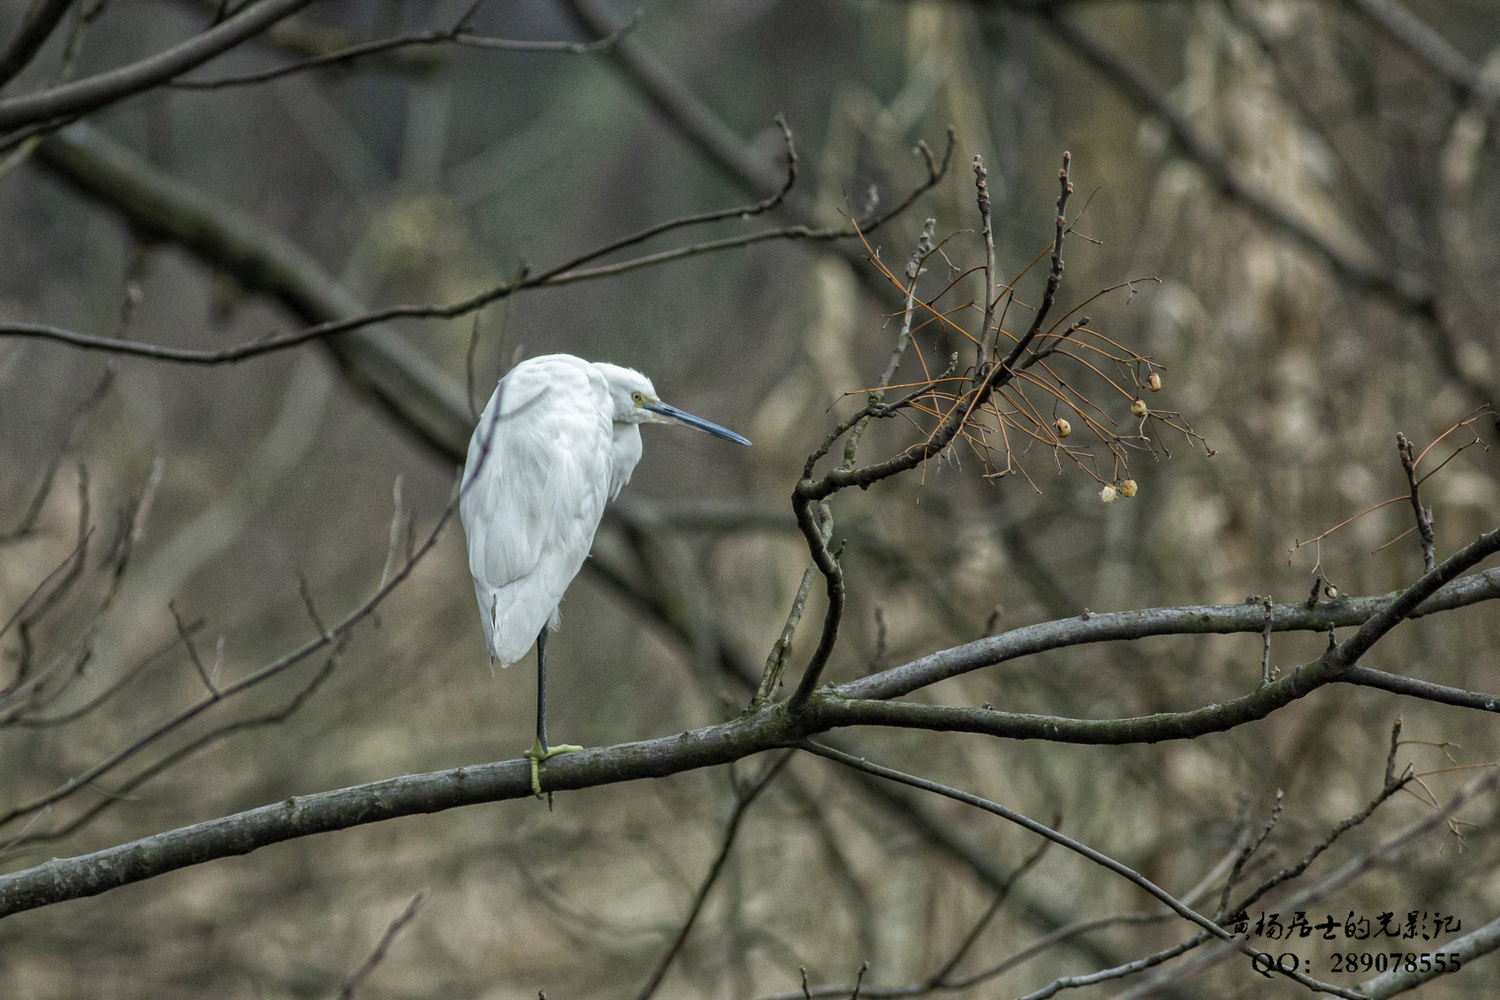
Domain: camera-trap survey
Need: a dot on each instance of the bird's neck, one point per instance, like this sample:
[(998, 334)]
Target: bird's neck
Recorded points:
[(625, 452)]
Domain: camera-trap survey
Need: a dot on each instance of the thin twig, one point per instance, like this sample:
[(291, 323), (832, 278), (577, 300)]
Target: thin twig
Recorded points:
[(1423, 514), (746, 798), (456, 35), (568, 272), (770, 679), (323, 641), (185, 634), (1103, 860), (357, 979), (990, 298)]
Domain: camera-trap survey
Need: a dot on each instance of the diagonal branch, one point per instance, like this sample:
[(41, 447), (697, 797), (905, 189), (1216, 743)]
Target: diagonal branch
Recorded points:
[(1407, 291), (692, 119), (41, 20), (92, 93), (1414, 35), (377, 362), (746, 798), (681, 108), (1077, 847)]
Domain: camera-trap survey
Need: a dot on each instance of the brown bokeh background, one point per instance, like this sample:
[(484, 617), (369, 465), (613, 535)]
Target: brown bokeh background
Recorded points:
[(410, 186)]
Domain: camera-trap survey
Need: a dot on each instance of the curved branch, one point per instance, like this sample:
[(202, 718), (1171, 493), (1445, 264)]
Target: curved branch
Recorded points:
[(750, 733), (259, 259), (1221, 619), (37, 26), (1208, 926), (105, 88)]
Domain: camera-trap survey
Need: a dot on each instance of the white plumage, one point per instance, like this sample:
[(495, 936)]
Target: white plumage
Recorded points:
[(558, 439), (538, 475)]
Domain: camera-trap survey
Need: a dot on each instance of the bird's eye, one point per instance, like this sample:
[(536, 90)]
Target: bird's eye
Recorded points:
[(638, 398)]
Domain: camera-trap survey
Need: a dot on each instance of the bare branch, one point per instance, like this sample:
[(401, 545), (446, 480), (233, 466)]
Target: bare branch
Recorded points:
[(1411, 293), (1431, 48), (745, 798), (347, 991), (987, 233), (72, 99), (327, 640), (1344, 875), (41, 19), (185, 633), (1098, 858), (1464, 949), (80, 416), (456, 35), (1423, 514), (1222, 619), (263, 260)]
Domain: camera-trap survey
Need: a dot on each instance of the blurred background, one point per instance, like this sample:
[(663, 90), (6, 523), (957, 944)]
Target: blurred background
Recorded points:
[(1342, 194)]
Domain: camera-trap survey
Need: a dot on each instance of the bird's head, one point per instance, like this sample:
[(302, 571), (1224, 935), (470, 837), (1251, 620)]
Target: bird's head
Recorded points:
[(636, 402)]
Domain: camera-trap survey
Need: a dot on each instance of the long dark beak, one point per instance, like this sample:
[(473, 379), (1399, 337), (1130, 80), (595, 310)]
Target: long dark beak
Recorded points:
[(674, 413)]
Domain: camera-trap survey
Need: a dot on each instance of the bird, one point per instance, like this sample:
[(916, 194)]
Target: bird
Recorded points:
[(557, 440)]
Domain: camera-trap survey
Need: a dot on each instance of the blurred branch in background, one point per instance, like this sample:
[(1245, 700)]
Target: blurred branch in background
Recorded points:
[(1411, 293), (57, 105), (262, 260), (1432, 48), (458, 34)]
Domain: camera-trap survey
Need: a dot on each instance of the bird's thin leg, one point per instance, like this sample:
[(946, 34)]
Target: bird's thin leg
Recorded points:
[(539, 750), (541, 692)]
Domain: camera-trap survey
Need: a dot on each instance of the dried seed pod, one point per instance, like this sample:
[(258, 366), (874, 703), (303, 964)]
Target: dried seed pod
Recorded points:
[(1062, 427), (1107, 494), (1128, 488), (1153, 382), (1139, 408)]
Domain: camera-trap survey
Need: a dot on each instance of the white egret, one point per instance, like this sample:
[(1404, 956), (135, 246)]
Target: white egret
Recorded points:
[(557, 440)]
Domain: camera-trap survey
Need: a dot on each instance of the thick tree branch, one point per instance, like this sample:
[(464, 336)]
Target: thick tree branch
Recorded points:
[(751, 733), (1222, 619), (1467, 948), (409, 795)]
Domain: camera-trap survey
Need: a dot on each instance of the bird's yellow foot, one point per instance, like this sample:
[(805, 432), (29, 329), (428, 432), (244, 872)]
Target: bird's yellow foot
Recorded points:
[(536, 755)]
